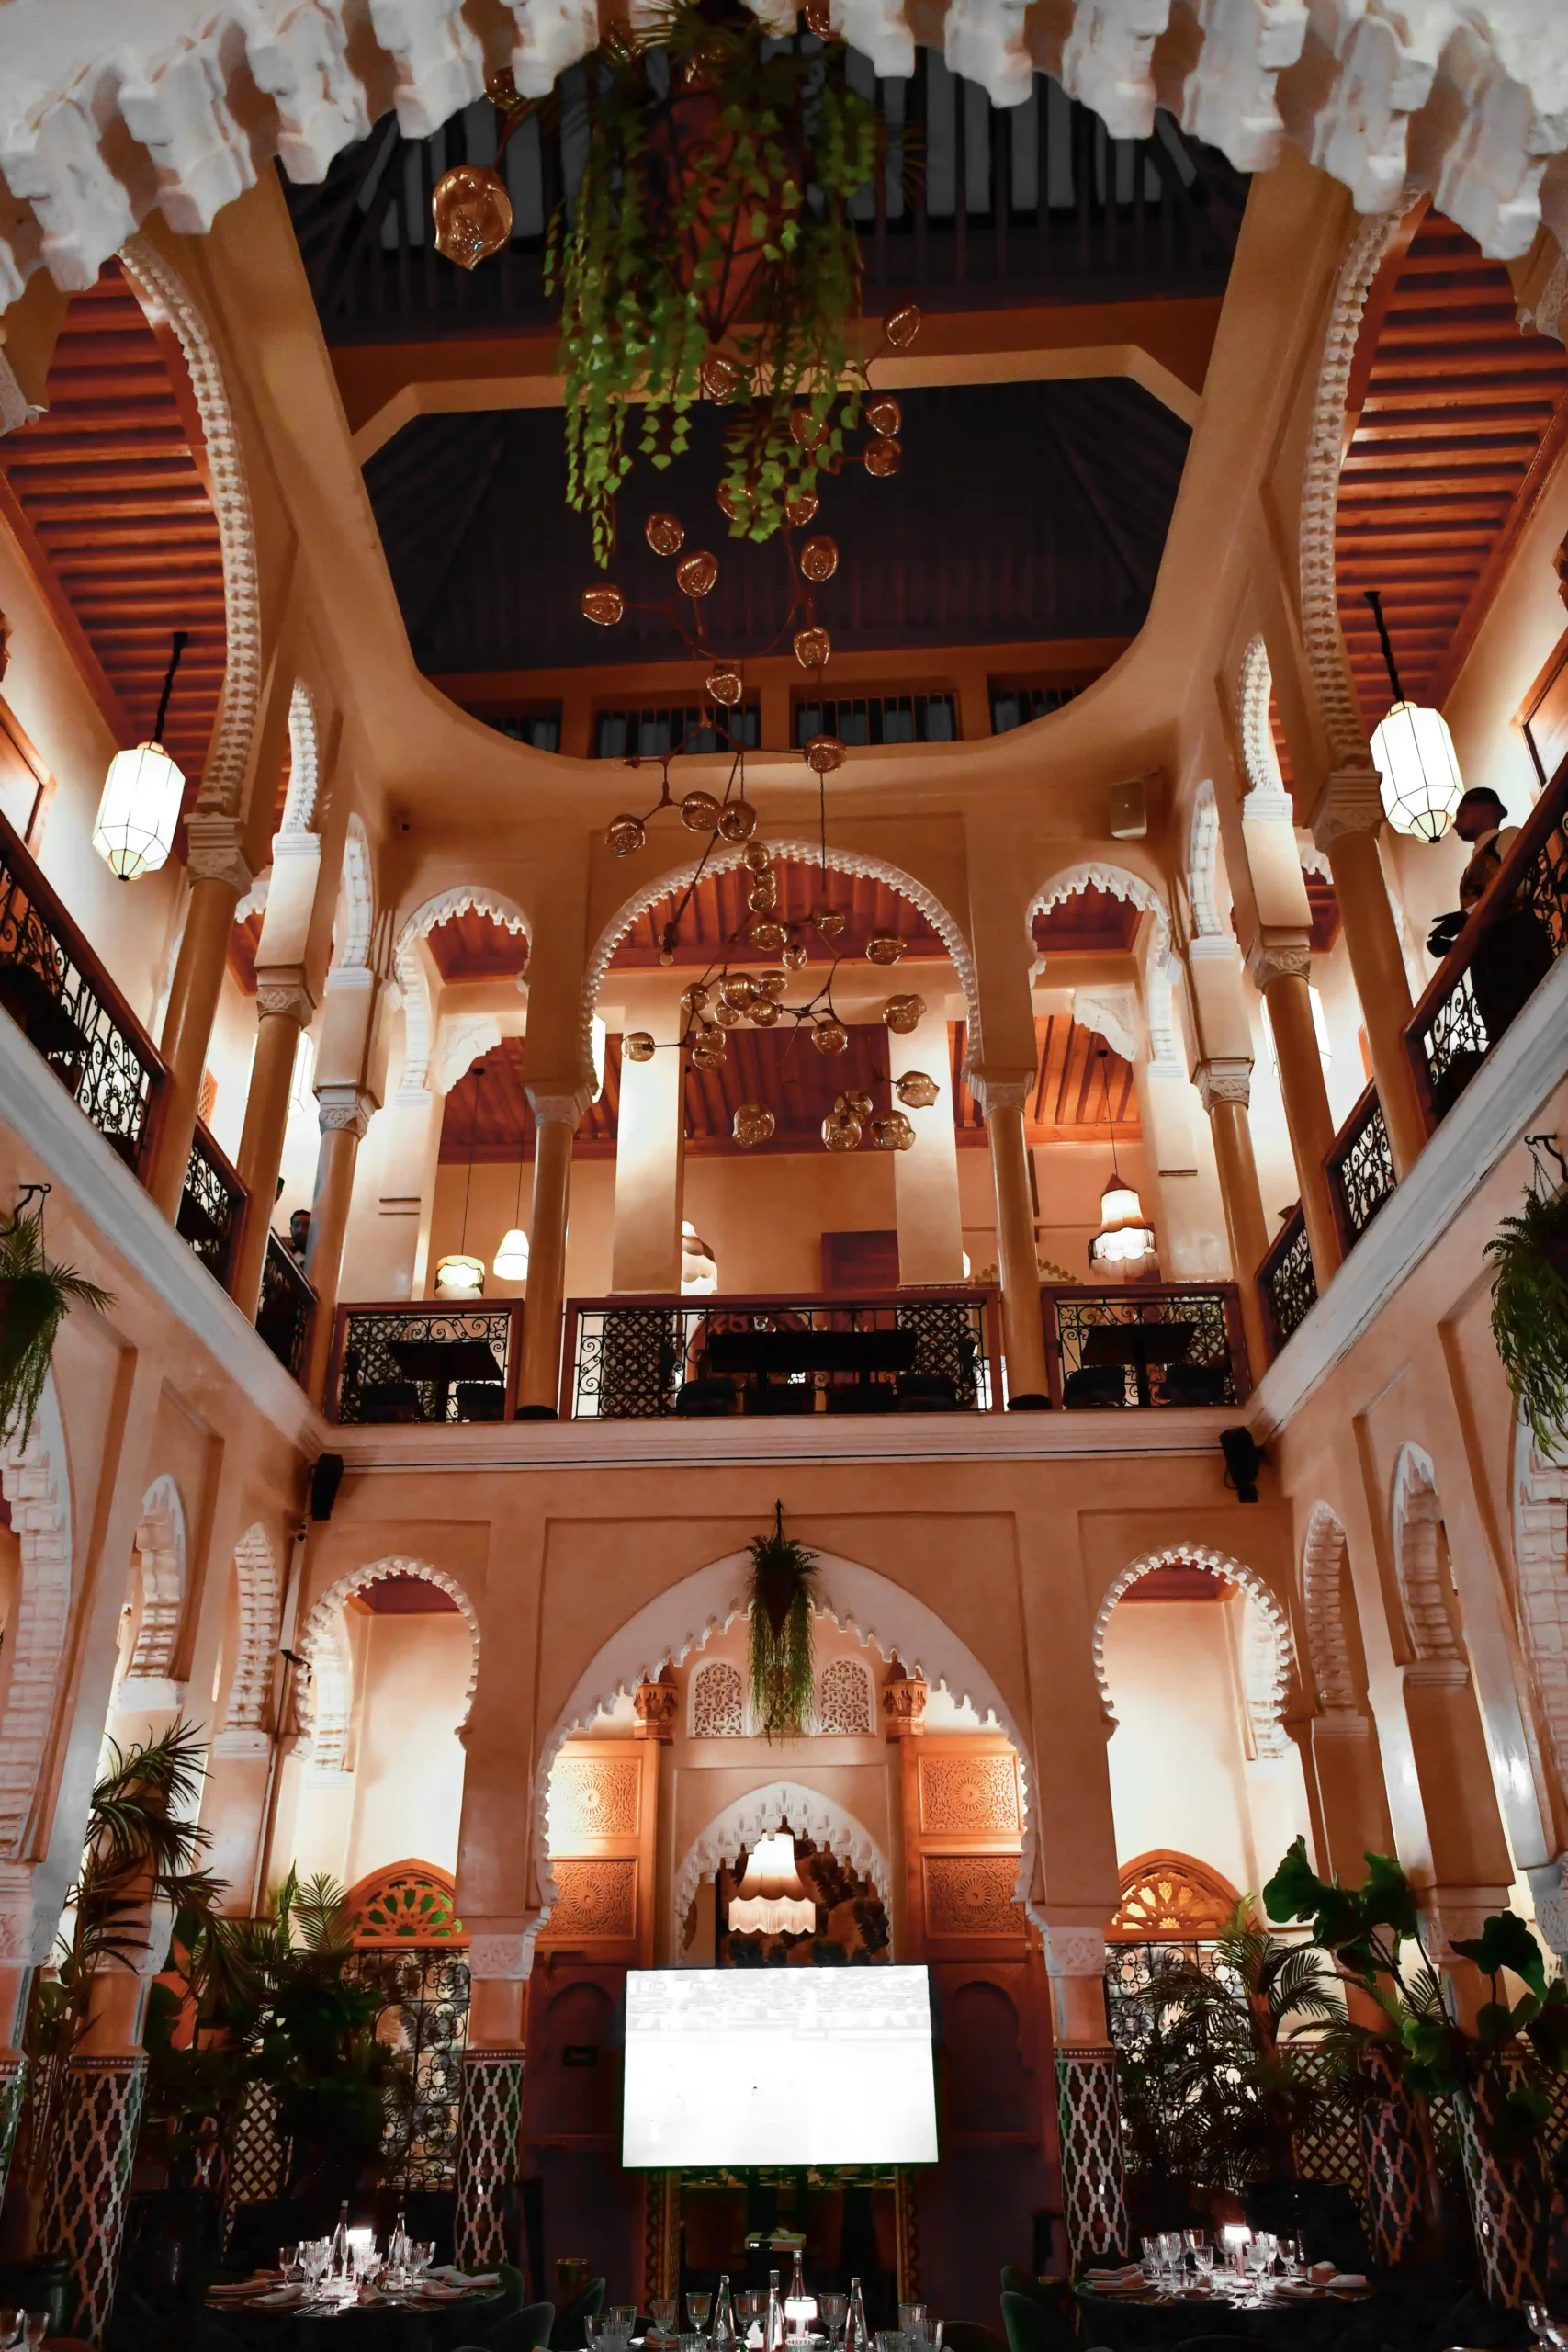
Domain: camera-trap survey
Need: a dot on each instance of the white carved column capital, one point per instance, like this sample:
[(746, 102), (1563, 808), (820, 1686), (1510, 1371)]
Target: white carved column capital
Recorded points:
[(345, 1110), (560, 1109), (1269, 960), (1073, 1950), (1227, 1079), (496, 1954), (1351, 803), (1000, 1090), (282, 992), (214, 853)]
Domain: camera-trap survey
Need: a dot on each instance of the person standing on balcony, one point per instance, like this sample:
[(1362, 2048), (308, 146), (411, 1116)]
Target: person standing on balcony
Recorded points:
[(1515, 953)]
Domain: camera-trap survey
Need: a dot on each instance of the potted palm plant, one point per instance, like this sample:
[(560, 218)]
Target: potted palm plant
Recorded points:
[(1529, 1309), (35, 1296)]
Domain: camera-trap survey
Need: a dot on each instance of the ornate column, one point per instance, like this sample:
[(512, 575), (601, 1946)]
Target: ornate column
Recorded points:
[(1280, 973), (284, 1007), (490, 2124), (1224, 1089), (219, 877), (1003, 1095), (1347, 828), (556, 1117), (1093, 2182), (345, 1111), (925, 1181), (19, 1932)]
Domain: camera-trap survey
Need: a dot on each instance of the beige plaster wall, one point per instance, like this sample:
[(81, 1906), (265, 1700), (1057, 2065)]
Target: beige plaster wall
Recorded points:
[(408, 1797)]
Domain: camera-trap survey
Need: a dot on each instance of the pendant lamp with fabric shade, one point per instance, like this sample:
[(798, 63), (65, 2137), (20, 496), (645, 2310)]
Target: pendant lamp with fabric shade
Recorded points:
[(460, 1275), (770, 1900), (1126, 1236)]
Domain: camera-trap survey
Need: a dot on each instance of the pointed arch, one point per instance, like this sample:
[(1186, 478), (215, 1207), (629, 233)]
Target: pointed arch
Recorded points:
[(1268, 1651), (1121, 882), (164, 295), (810, 1813), (418, 1016), (259, 1594), (840, 861), (36, 1484), (1323, 1608), (324, 1645), (1417, 1558), (161, 1567)]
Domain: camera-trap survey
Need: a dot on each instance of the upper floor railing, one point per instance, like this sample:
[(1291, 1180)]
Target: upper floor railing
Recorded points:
[(1360, 1169), (288, 1308), (62, 998), (1287, 1281), (1505, 951), (972, 205), (430, 1362), (1146, 1343), (212, 1206)]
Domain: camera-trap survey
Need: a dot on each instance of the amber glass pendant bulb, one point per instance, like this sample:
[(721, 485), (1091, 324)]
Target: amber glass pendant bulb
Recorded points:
[(902, 325), (892, 1134), (604, 605), (726, 1013), (764, 1012), (840, 1134), (830, 1037), (819, 558), (737, 820), (883, 458), (740, 989), (694, 999), (758, 858), (812, 646), (904, 1013), (471, 212), (917, 1089), (885, 414), (697, 574), (829, 922), (763, 895), (854, 1106), (765, 935), (637, 1045), (699, 812), (725, 685), (883, 948), (774, 982), (808, 431), (795, 954), (625, 834), (753, 1124), (721, 377), (824, 752), (664, 533), (801, 509)]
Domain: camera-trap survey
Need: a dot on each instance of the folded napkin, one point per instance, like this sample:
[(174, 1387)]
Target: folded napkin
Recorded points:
[(1127, 2275), (457, 2277), (279, 2297), (1348, 2282), (1321, 2271), (1302, 2290)]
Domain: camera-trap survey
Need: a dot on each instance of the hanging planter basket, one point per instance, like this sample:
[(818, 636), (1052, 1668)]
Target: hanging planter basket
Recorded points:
[(782, 1663), (1529, 1312)]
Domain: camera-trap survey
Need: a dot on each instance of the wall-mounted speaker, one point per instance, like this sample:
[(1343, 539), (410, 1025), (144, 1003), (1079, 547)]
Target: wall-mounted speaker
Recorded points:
[(326, 1477), (1129, 812), (1244, 1459)]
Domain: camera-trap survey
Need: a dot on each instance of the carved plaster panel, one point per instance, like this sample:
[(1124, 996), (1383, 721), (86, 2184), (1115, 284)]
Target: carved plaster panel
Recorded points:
[(594, 1900), (972, 1894), (968, 1796), (594, 1797)]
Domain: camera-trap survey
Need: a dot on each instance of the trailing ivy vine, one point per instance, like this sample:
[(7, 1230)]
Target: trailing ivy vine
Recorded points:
[(710, 249), (782, 1666)]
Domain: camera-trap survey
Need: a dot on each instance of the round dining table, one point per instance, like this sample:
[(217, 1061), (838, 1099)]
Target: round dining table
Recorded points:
[(1152, 2316), (379, 2322)]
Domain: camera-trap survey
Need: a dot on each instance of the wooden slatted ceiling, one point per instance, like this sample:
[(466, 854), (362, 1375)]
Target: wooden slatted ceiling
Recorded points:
[(108, 485), (1462, 417), (472, 947), (1090, 922), (491, 1118), (718, 916)]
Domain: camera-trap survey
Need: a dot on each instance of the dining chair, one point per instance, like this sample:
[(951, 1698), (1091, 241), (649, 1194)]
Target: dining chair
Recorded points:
[(970, 2335), (523, 2331), (1033, 2326), (568, 2335)]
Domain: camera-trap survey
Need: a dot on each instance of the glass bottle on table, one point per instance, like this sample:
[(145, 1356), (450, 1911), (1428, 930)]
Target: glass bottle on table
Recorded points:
[(857, 2335), (723, 2317), (337, 2266), (774, 2324)]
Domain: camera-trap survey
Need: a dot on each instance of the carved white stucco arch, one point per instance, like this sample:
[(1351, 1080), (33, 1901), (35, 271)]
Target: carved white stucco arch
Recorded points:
[(859, 1600), (304, 762), (323, 1643), (161, 292), (800, 853), (412, 985), (808, 1811), (1322, 1608), (1121, 882), (1260, 759), (1418, 1557), (258, 1586), (358, 898), (1266, 1657), (36, 1484), (1203, 862), (160, 1570), (1540, 1560)]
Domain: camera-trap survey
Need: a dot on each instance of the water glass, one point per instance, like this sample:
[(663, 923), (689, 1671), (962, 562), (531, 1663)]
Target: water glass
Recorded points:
[(1547, 2330), (10, 2326), (835, 2309), (1203, 2262), (697, 2343), (287, 2263), (890, 2339), (664, 2311), (35, 2327), (911, 2315), (697, 2310)]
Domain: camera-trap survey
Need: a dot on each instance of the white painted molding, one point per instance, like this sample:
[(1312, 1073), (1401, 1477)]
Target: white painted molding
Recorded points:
[(111, 109), (1540, 1561), (304, 762), (1323, 1607), (810, 1813), (259, 1591), (358, 898), (1203, 862), (1267, 1663), (322, 1641), (40, 1110), (1417, 1515), (161, 1560)]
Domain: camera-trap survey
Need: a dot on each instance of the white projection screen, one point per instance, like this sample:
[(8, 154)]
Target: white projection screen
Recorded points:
[(778, 2066)]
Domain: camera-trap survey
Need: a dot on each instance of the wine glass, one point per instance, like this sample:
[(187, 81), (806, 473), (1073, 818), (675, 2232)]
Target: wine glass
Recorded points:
[(289, 2263), (835, 2309), (697, 2310), (664, 2311), (35, 2327), (1546, 2330), (1203, 2262)]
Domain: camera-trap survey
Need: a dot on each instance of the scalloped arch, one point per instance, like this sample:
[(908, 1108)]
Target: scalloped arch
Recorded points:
[(859, 1599), (810, 1813), (1418, 1564), (304, 762), (1121, 882), (35, 1481), (840, 861), (1323, 1606), (1267, 1668), (321, 1641), (156, 283), (465, 898), (1203, 862)]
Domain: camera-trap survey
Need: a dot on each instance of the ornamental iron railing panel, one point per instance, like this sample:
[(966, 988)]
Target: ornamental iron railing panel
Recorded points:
[(896, 1353), (973, 202), (1146, 1343), (286, 1308), (1287, 1281), (426, 1992), (1511, 942), (431, 1361), (1360, 1169), (212, 1206), (64, 1003)]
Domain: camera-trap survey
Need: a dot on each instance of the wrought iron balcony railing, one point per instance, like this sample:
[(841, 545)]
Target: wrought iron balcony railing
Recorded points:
[(1287, 1281), (974, 205), (1360, 1169), (71, 1014), (1506, 948), (1146, 1343), (902, 1352), (286, 1308), (212, 1206), (434, 1361)]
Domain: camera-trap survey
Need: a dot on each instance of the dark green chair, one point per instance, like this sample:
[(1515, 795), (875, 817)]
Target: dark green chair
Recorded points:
[(523, 2331), (1034, 2326), (970, 2335), (567, 2334)]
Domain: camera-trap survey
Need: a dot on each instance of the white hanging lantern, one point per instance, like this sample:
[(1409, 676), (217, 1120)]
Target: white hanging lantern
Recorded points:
[(460, 1276), (770, 1900), (140, 807), (510, 1263), (1126, 1235), (1416, 765)]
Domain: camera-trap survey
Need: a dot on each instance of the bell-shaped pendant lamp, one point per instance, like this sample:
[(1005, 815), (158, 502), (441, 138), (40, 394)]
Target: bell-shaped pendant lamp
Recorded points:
[(1126, 1235), (134, 831), (699, 1267), (510, 1263), (1415, 755), (772, 1901), (461, 1275)]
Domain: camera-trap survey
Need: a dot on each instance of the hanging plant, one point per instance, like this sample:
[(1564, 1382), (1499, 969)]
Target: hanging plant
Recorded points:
[(710, 250), (34, 1296), (1529, 1309), (782, 1670)]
